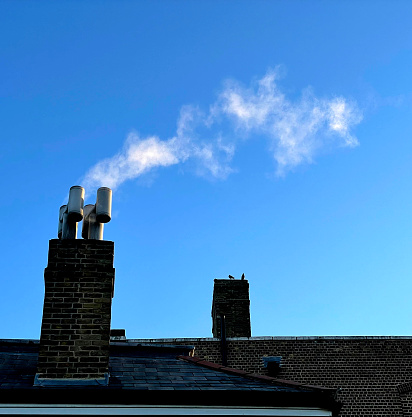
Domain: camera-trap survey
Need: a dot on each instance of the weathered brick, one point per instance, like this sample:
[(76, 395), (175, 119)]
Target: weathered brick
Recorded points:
[(231, 299), (76, 315), (368, 372)]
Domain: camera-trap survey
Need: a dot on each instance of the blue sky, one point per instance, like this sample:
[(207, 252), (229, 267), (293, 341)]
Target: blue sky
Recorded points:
[(270, 138)]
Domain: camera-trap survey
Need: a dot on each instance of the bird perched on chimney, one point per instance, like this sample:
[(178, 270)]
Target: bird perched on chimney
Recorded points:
[(231, 277), (243, 277)]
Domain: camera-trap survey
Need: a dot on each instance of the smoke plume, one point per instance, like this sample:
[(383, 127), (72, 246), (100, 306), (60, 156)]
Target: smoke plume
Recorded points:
[(295, 131)]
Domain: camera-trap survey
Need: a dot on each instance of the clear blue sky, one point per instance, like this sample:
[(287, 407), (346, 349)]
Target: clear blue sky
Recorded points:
[(266, 137)]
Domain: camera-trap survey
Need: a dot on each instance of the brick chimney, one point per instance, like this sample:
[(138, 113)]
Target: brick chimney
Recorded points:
[(231, 300), (75, 331)]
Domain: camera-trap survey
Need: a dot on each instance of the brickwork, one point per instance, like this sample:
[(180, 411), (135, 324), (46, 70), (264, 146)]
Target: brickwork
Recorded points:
[(231, 299), (75, 330), (373, 375), (406, 402)]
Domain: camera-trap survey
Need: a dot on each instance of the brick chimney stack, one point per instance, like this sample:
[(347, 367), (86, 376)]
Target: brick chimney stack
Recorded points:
[(231, 299), (75, 332)]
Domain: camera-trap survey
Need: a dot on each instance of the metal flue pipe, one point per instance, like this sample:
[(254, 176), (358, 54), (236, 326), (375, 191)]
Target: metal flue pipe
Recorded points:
[(93, 215)]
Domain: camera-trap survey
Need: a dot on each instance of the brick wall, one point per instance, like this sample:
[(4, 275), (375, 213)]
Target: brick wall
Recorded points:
[(231, 299), (373, 374), (75, 332)]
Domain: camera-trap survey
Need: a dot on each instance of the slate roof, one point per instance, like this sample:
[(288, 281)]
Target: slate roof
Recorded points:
[(136, 366)]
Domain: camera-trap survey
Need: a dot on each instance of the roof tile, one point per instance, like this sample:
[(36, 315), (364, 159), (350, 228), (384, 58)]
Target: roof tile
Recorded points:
[(144, 368)]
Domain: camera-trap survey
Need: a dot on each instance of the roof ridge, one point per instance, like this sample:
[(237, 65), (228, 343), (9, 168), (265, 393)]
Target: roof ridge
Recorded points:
[(265, 378)]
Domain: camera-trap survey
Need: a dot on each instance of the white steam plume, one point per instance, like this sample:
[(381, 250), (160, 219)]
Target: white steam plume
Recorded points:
[(296, 132)]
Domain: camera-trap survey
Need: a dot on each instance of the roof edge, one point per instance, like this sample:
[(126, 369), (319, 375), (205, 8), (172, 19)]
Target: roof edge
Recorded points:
[(264, 378), (215, 339), (190, 340)]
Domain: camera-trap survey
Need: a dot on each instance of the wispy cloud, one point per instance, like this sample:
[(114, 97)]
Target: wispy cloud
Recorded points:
[(296, 131)]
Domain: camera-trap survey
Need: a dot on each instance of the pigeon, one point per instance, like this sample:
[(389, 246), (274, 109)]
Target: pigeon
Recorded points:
[(243, 276), (231, 277)]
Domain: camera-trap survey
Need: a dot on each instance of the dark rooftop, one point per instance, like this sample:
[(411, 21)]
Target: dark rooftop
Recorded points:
[(139, 366)]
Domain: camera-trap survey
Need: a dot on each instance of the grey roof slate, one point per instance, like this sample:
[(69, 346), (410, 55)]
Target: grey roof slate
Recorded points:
[(135, 366)]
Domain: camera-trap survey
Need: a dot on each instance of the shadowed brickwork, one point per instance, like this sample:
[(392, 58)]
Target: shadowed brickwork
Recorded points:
[(373, 374), (231, 299), (75, 332)]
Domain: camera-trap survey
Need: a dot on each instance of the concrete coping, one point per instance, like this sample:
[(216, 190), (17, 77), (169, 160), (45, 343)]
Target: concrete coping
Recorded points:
[(190, 340), (71, 382), (263, 338)]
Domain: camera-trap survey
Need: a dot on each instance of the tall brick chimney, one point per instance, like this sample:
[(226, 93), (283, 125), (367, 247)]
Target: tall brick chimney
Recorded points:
[(231, 300), (75, 331)]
